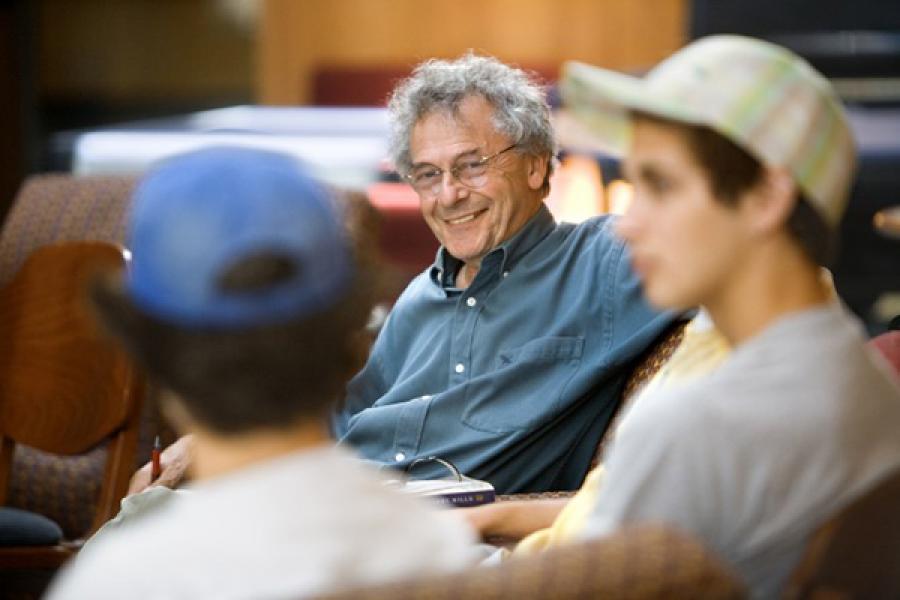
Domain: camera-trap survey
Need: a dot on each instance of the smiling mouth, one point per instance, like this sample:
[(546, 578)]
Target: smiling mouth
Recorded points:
[(466, 218)]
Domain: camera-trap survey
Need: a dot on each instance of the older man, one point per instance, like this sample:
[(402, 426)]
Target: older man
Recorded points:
[(507, 355)]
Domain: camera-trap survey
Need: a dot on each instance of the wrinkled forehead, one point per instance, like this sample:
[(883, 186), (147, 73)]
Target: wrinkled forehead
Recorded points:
[(442, 135)]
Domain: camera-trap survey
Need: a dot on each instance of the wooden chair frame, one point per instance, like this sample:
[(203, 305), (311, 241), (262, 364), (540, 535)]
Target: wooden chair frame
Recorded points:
[(65, 387)]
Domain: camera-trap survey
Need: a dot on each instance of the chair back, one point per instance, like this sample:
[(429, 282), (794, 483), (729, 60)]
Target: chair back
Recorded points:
[(65, 387), (57, 207), (856, 554)]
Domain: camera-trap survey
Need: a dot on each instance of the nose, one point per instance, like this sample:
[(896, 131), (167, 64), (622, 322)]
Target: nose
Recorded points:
[(451, 190)]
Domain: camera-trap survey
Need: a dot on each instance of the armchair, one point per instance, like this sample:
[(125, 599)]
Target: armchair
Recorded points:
[(64, 387)]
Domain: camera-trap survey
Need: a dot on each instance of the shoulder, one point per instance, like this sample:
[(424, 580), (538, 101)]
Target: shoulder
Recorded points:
[(124, 561), (602, 245), (411, 313), (591, 246), (601, 225), (418, 293), (417, 289), (599, 230)]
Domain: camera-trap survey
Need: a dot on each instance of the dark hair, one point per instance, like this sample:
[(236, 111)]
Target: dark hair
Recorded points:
[(732, 171), (270, 376), (260, 377)]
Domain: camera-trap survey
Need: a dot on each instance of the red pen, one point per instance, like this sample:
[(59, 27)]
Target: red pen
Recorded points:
[(155, 466)]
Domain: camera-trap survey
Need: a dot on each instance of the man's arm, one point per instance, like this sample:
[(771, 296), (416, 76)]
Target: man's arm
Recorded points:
[(174, 461), (367, 386), (514, 519)]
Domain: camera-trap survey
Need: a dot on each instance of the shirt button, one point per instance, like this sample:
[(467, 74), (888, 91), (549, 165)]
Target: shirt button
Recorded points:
[(460, 367), (471, 301), (399, 457)]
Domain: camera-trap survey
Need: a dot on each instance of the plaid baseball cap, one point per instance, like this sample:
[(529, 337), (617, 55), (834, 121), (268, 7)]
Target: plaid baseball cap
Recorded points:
[(762, 97), (199, 214)]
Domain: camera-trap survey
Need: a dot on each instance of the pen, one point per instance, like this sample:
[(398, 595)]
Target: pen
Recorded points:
[(155, 467)]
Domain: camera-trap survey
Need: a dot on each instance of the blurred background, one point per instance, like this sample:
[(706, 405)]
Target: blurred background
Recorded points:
[(108, 86)]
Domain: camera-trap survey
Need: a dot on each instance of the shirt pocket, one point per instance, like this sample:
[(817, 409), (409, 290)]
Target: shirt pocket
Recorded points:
[(526, 387)]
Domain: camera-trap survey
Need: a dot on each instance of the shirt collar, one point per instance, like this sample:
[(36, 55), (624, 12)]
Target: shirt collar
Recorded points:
[(443, 270)]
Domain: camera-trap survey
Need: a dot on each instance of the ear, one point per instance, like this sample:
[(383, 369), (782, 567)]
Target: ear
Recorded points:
[(771, 202), (537, 170)]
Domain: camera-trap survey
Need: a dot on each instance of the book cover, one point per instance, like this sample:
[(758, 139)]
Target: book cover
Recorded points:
[(463, 492)]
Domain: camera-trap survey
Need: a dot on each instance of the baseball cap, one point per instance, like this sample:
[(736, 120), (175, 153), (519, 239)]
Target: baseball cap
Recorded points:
[(762, 97), (199, 214)]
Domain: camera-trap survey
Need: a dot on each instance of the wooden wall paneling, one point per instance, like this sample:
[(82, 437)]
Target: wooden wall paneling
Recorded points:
[(147, 49), (296, 36)]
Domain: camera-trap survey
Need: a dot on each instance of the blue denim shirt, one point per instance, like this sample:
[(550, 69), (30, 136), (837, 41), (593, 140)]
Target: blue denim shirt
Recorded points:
[(515, 378)]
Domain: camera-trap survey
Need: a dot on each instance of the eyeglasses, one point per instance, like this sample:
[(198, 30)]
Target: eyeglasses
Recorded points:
[(472, 173)]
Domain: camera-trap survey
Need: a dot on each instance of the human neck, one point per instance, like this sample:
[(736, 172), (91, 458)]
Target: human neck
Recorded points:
[(215, 454), (773, 282), (467, 273)]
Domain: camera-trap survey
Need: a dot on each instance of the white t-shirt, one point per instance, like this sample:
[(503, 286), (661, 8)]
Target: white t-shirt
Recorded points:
[(310, 522), (796, 423)]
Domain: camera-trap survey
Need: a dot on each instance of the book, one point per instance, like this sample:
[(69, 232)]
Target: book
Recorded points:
[(463, 492), (456, 491)]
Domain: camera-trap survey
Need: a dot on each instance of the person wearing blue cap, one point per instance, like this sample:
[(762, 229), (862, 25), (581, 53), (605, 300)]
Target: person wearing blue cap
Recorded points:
[(243, 300)]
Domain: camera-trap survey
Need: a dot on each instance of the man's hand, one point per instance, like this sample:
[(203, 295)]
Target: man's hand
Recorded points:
[(481, 518), (174, 461)]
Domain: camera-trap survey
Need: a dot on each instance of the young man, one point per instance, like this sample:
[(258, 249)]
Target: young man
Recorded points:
[(244, 300), (741, 159)]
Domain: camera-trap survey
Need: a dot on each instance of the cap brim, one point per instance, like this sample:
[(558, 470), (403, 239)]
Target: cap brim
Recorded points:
[(600, 101)]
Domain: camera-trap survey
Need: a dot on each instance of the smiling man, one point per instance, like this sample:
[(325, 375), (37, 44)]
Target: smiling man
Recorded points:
[(506, 356), (741, 158)]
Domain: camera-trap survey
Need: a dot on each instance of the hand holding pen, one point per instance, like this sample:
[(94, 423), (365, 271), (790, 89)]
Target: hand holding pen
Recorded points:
[(167, 467)]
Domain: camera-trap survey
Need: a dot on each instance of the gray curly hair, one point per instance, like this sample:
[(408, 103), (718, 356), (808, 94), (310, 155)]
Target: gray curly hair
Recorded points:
[(520, 108)]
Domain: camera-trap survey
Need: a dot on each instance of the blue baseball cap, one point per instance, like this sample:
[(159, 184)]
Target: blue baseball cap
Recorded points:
[(199, 214)]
